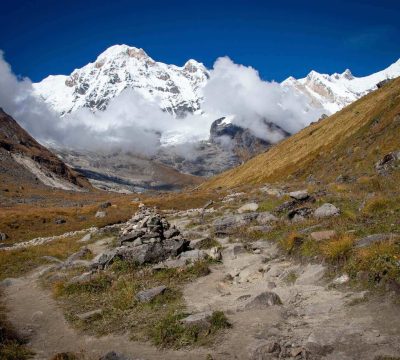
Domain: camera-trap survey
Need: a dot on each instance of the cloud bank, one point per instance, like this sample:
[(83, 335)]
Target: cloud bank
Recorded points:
[(136, 124), (237, 89)]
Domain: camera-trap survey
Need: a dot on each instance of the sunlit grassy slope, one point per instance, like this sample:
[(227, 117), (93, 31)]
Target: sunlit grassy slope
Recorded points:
[(349, 142)]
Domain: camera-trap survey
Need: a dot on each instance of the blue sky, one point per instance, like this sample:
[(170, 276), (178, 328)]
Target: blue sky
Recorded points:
[(278, 38)]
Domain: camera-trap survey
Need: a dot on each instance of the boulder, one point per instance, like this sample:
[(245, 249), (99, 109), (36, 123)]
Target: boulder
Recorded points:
[(323, 235), (215, 254), (193, 255), (299, 195), (86, 238), (100, 214), (201, 319), (247, 208), (130, 237), (341, 279), (388, 163), (148, 295), (90, 315), (3, 236), (263, 300), (266, 218), (230, 223), (326, 210), (300, 213), (374, 238), (171, 232)]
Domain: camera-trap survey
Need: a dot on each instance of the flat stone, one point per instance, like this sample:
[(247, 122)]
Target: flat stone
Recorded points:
[(148, 295), (248, 207), (263, 300), (299, 195), (201, 319), (323, 235), (326, 210), (90, 314), (193, 254), (171, 233), (374, 238), (86, 238)]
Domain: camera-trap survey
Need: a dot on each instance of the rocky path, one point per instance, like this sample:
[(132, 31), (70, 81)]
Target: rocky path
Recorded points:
[(35, 314), (305, 318), (314, 320)]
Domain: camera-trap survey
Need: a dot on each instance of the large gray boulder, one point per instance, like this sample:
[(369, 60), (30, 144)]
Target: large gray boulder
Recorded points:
[(248, 207), (229, 223), (326, 210), (299, 195)]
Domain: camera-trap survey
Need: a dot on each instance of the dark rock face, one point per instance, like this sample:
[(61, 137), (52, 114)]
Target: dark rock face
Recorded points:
[(388, 163), (16, 140), (242, 139)]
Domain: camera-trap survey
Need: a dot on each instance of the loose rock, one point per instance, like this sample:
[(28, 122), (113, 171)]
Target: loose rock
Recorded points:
[(299, 195), (263, 300), (248, 207), (326, 210), (90, 314), (100, 214), (148, 295)]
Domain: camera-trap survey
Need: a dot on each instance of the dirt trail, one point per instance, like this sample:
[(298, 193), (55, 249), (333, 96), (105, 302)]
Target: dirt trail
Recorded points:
[(33, 311), (351, 326)]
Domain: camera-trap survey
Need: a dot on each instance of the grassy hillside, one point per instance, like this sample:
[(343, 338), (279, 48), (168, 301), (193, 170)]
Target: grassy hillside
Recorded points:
[(349, 142)]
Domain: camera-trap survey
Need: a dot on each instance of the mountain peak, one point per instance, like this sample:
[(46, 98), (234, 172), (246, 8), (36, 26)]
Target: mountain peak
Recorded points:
[(347, 74), (122, 50)]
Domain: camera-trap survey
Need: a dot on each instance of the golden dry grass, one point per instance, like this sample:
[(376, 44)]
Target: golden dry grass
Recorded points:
[(351, 140)]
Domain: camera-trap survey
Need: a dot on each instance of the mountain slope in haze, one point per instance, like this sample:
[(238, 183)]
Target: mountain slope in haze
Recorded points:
[(126, 172), (349, 142), (334, 92), (176, 89), (23, 157)]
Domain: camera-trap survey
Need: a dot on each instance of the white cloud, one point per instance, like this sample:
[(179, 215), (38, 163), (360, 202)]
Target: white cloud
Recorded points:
[(237, 89), (136, 124)]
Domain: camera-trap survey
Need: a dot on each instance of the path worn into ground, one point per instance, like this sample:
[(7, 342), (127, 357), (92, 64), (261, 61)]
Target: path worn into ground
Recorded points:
[(340, 319)]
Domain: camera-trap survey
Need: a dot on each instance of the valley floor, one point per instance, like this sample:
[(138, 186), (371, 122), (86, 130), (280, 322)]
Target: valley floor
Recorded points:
[(318, 318)]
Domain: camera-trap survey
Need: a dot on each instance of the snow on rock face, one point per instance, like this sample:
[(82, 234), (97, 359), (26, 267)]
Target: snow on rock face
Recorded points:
[(334, 92), (175, 89)]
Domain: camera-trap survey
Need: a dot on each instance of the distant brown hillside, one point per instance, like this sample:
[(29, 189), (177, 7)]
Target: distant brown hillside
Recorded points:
[(349, 142), (20, 150)]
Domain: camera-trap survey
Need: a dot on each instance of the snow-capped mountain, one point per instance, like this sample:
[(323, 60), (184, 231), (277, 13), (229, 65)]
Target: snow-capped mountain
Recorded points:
[(176, 89), (334, 92)]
